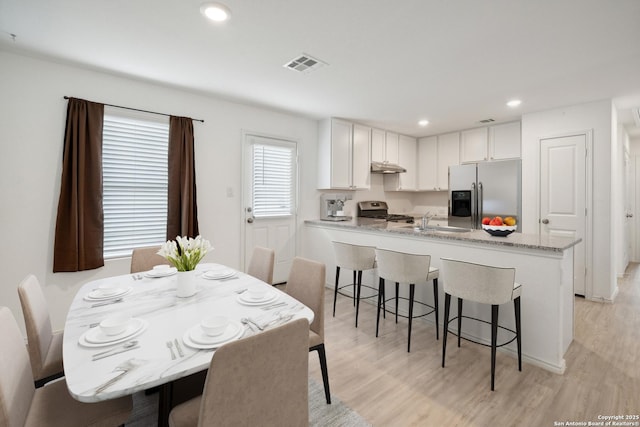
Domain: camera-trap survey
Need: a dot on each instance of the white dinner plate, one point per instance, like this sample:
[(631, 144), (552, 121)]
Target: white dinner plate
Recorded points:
[(219, 274), (98, 295), (156, 274), (195, 337), (270, 297), (94, 337)]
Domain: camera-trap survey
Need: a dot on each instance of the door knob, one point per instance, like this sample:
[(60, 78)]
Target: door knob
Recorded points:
[(250, 220), (545, 221)]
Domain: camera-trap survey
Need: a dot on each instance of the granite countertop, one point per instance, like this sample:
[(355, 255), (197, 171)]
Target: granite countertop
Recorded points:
[(516, 240)]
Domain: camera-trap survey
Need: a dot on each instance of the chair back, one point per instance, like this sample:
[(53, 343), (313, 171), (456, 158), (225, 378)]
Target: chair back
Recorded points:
[(261, 264), (354, 257), (16, 380), (260, 380), (143, 259), (402, 267), (37, 322), (476, 282), (306, 284)]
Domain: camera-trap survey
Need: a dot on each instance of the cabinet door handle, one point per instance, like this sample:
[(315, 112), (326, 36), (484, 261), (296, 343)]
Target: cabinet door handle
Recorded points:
[(545, 221)]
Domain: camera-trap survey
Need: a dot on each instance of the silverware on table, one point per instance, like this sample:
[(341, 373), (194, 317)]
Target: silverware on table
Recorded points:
[(179, 348), (113, 301), (275, 305), (129, 345), (170, 345)]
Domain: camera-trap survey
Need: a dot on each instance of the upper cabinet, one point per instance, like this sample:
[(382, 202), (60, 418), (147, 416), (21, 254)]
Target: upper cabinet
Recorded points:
[(435, 155), (343, 155), (406, 181), (384, 146), (496, 142)]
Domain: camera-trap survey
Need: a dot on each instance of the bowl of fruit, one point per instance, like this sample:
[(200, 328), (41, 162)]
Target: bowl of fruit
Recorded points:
[(497, 226)]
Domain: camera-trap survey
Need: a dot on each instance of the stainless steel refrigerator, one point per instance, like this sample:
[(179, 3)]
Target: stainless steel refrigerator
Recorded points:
[(484, 189)]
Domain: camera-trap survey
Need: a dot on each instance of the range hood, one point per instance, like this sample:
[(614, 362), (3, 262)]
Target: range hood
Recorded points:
[(386, 167)]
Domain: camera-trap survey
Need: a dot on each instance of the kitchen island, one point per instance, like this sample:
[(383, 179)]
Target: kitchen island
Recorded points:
[(544, 267)]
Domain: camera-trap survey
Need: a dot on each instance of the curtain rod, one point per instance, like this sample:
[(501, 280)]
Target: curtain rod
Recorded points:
[(142, 111)]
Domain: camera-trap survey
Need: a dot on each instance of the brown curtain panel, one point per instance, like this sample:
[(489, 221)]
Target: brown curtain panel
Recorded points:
[(80, 221), (182, 216)]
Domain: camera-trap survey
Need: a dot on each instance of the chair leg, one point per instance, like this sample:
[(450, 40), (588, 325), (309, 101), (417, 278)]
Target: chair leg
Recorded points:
[(335, 291), (384, 302), (459, 320), (516, 306), (435, 302), (358, 297), (494, 340), (412, 290), (445, 326), (397, 292), (354, 288), (380, 299), (323, 367)]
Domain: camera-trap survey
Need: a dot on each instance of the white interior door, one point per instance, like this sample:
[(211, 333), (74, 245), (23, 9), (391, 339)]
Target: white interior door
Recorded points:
[(563, 195), (270, 199), (635, 219)]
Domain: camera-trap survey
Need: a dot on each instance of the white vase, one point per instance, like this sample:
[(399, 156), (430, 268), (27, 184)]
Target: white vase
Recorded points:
[(186, 284)]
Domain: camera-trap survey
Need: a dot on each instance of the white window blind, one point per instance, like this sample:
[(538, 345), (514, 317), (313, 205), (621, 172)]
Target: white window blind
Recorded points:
[(273, 180), (134, 171)]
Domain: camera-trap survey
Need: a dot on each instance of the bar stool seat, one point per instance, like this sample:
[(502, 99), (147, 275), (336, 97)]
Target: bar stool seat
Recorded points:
[(358, 259), (483, 284), (406, 268)]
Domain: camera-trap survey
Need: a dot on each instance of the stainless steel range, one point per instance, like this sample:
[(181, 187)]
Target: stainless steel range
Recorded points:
[(380, 210)]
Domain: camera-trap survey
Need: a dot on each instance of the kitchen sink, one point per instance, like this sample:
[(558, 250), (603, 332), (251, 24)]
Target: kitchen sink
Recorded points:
[(445, 229)]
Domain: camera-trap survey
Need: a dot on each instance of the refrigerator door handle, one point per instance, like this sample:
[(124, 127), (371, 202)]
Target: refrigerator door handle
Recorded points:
[(480, 203), (474, 205)]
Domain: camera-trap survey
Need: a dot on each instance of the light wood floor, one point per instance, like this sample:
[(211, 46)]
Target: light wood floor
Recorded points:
[(390, 387)]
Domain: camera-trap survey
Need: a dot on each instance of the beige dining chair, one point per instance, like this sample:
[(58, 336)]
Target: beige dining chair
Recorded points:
[(143, 259), (23, 405), (261, 264), (261, 380), (45, 346), (306, 284)]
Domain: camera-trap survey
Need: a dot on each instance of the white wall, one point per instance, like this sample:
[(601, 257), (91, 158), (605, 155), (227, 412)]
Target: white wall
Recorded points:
[(596, 116), (32, 116)]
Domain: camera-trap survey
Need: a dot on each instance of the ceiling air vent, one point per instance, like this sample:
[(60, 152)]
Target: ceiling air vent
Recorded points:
[(304, 63), (486, 121)]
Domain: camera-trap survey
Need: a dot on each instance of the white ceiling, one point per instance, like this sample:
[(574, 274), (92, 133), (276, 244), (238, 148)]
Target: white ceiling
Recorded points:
[(390, 63)]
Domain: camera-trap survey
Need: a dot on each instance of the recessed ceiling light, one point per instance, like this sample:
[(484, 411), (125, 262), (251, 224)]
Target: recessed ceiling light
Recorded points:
[(423, 122), (215, 11), (514, 103)]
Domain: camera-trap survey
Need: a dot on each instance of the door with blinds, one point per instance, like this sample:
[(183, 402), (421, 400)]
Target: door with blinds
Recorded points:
[(271, 176)]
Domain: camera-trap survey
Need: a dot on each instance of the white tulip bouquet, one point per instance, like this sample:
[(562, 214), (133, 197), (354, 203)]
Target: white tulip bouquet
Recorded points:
[(185, 252)]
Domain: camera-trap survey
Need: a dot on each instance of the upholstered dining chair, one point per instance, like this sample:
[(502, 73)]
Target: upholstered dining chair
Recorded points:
[(143, 259), (261, 264), (259, 380), (306, 284), (23, 405), (45, 346)]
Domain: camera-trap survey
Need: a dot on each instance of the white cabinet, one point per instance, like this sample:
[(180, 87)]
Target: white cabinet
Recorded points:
[(505, 141), (405, 181), (496, 142), (435, 155), (384, 146), (343, 155), (473, 145)]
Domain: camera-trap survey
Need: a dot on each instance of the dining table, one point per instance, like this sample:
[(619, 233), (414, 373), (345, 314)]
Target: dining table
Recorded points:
[(164, 339)]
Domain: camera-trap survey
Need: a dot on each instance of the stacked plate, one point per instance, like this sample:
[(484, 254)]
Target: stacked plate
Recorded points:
[(269, 297), (195, 337), (106, 293), (95, 337), (219, 273), (161, 273)]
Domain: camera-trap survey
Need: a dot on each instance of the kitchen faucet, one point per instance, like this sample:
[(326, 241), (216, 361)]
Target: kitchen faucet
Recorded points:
[(425, 219)]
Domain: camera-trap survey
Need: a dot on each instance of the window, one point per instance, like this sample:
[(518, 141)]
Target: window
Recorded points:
[(134, 173), (273, 180)]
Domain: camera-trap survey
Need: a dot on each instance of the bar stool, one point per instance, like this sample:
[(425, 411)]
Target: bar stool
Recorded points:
[(356, 258), (486, 285), (401, 267)]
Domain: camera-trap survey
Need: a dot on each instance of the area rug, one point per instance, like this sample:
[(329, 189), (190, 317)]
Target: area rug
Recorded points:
[(145, 410)]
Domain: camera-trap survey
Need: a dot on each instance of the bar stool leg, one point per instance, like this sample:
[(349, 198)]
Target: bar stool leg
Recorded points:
[(354, 288), (459, 320), (335, 291), (412, 289), (435, 301), (494, 340), (358, 297), (380, 298), (516, 306), (445, 330), (397, 292)]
